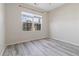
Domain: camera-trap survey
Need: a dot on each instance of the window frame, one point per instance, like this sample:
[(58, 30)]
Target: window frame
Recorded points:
[(33, 23)]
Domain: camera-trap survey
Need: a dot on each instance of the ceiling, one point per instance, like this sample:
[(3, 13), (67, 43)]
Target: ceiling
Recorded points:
[(46, 6)]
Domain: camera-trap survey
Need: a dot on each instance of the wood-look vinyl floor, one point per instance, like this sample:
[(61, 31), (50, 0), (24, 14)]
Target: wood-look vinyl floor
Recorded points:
[(42, 47)]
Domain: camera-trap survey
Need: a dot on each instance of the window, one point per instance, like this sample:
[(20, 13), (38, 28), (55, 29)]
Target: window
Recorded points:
[(31, 22), (37, 23)]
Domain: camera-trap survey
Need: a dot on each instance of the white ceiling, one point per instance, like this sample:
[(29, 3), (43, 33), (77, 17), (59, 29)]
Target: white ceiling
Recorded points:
[(46, 6)]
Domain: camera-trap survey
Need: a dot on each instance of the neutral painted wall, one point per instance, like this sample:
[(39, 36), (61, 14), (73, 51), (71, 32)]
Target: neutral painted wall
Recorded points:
[(64, 23), (14, 32), (2, 29)]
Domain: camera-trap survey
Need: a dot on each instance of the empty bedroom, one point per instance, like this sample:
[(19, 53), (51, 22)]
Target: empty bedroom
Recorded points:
[(39, 29)]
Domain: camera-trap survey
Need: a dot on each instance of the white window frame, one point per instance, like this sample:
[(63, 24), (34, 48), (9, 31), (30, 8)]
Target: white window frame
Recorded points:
[(33, 16)]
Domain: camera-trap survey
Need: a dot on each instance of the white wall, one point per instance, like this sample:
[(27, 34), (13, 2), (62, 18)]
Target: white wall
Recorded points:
[(64, 23), (14, 33), (2, 29)]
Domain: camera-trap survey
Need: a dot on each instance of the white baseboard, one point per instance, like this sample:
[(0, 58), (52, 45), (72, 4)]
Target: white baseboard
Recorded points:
[(21, 41), (66, 41), (2, 51)]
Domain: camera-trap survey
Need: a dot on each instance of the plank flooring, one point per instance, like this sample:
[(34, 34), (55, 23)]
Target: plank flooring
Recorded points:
[(42, 47)]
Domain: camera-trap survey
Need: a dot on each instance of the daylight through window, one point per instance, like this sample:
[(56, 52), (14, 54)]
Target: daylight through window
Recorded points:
[(31, 22)]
